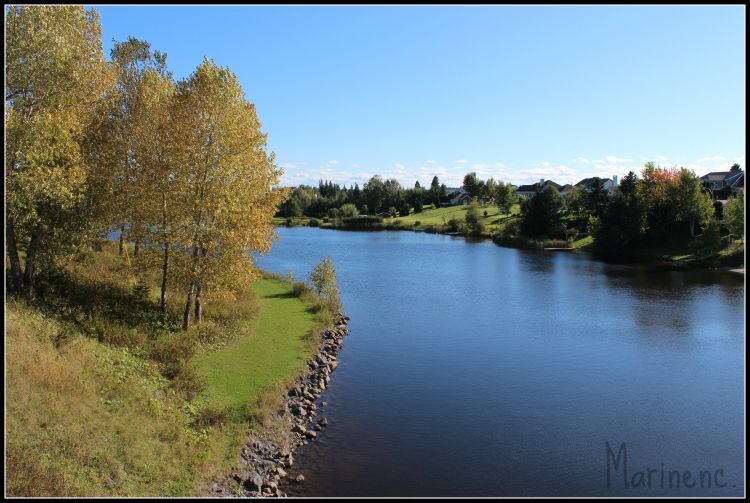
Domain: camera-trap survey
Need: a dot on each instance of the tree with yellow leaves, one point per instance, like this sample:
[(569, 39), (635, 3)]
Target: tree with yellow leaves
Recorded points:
[(229, 184), (159, 205), (55, 75)]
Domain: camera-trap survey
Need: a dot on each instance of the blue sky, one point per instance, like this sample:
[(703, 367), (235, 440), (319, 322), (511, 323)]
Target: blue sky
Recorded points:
[(518, 93)]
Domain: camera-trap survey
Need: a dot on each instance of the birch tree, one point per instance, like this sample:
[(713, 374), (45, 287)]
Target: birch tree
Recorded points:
[(230, 186), (55, 75)]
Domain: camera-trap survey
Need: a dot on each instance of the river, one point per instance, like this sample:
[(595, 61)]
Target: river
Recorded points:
[(478, 370)]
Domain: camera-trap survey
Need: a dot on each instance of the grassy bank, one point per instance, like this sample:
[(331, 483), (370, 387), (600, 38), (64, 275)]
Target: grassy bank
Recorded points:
[(271, 352), (436, 220), (104, 398)]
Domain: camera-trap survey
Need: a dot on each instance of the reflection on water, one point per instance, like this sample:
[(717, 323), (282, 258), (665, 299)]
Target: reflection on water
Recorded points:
[(478, 370)]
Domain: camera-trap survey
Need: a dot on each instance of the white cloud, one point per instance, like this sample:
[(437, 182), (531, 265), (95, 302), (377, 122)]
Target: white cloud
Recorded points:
[(614, 159), (451, 174), (711, 158)]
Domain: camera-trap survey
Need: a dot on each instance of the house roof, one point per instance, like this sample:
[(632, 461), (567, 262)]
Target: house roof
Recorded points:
[(535, 186), (716, 176), (528, 188), (587, 182)]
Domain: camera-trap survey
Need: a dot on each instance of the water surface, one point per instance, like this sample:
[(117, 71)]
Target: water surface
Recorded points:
[(477, 370)]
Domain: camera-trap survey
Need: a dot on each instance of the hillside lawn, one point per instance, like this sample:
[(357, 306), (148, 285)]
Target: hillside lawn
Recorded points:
[(89, 411), (431, 216)]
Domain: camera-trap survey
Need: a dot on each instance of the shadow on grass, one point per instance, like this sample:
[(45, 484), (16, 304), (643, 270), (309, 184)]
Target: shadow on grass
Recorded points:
[(72, 298), (285, 295)]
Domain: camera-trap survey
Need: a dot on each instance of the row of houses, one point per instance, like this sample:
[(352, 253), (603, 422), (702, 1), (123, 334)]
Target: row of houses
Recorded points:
[(610, 185), (716, 181)]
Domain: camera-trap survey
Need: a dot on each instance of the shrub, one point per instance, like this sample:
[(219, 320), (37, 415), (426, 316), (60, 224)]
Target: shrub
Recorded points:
[(174, 347), (314, 222), (141, 292), (417, 223), (323, 279), (211, 416), (186, 381), (349, 210), (362, 221), (453, 225)]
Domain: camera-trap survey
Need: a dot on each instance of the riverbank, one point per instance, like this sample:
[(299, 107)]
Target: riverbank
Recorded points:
[(447, 221), (106, 398), (266, 455)]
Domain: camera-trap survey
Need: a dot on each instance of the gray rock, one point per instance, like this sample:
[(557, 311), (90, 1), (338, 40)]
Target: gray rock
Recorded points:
[(310, 434), (300, 478), (254, 482), (323, 422)]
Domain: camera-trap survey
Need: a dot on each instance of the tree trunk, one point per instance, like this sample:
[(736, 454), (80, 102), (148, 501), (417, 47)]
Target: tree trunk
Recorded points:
[(29, 274), (189, 303), (164, 269), (198, 304), (15, 263), (136, 248), (122, 239), (188, 308)]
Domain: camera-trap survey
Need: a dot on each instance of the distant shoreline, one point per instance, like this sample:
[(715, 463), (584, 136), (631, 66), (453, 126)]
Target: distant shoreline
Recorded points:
[(730, 264)]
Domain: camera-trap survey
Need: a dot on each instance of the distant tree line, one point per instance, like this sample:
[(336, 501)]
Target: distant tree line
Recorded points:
[(377, 195), (661, 206)]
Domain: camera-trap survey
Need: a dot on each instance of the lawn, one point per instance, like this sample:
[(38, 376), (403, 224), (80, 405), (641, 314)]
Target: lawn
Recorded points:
[(272, 351)]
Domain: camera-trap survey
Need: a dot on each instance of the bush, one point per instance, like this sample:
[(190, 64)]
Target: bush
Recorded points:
[(362, 221), (710, 240), (141, 292), (453, 225), (174, 347), (314, 222), (348, 210), (186, 381), (417, 223), (323, 279), (211, 416)]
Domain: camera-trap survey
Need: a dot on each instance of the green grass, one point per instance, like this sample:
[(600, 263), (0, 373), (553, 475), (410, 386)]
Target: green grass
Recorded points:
[(583, 243), (90, 410), (273, 348), (435, 217), (440, 216)]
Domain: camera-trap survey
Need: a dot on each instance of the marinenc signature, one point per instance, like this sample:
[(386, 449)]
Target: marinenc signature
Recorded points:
[(658, 478)]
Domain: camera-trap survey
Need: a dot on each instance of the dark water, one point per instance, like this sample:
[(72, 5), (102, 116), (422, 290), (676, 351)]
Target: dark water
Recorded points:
[(477, 370)]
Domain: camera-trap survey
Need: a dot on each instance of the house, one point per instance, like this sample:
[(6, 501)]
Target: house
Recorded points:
[(458, 197), (532, 189), (566, 189), (609, 184), (718, 180)]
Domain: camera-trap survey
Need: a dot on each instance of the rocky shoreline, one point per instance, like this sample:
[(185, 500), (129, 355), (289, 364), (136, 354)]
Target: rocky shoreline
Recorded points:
[(263, 463)]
